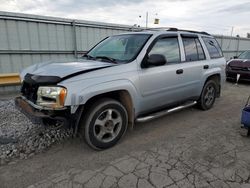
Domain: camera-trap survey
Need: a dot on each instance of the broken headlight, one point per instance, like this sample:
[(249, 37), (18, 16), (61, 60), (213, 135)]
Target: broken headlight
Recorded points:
[(51, 97)]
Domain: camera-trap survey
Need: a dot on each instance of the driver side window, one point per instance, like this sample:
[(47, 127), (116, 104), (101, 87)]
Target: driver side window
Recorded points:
[(169, 48)]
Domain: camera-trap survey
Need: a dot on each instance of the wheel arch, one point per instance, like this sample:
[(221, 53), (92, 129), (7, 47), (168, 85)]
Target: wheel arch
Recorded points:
[(123, 96), (217, 78)]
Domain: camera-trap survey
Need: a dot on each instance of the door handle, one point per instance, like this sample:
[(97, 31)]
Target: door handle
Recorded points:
[(179, 71), (206, 67)]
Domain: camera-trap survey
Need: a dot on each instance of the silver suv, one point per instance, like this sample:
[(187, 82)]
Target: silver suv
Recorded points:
[(126, 78)]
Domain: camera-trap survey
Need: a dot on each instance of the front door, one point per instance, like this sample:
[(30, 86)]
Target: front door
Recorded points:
[(163, 85)]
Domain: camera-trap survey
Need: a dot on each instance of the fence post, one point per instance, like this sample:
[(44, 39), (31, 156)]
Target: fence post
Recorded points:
[(238, 45), (74, 37), (221, 42)]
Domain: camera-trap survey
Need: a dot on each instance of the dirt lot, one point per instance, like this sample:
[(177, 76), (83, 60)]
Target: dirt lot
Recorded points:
[(191, 148)]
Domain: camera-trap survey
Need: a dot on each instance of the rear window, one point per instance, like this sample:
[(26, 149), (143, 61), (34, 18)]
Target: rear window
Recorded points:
[(213, 47)]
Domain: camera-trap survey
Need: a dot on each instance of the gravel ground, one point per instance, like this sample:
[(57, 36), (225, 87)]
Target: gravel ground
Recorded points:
[(20, 138)]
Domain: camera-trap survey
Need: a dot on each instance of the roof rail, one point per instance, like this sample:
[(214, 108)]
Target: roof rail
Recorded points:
[(174, 29), (191, 31), (159, 28)]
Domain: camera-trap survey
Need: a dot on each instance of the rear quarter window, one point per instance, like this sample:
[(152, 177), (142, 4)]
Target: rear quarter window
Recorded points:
[(213, 47)]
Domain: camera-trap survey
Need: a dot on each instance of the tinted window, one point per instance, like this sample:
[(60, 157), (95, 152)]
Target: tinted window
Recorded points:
[(193, 49), (212, 47), (167, 47)]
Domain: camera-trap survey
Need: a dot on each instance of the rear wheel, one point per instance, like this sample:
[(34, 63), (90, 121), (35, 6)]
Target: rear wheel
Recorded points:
[(104, 124), (208, 95)]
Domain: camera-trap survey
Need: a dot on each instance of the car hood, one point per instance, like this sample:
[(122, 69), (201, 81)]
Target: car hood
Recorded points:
[(242, 63), (65, 68)]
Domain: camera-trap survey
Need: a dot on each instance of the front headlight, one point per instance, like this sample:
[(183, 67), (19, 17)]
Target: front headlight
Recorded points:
[(52, 97)]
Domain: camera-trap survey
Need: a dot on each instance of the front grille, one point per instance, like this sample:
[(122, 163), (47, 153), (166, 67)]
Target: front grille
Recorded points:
[(29, 91)]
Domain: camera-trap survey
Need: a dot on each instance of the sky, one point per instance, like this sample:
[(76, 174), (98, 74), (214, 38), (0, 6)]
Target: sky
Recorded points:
[(213, 16)]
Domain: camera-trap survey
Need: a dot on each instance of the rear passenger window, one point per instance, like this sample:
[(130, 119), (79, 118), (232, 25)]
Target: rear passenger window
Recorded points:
[(193, 49), (213, 47), (169, 48)]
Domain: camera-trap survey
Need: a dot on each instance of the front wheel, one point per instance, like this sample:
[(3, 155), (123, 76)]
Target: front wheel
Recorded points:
[(104, 124), (208, 95)]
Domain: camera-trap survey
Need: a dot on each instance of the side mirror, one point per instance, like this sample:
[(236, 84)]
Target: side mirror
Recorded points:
[(156, 60), (235, 57)]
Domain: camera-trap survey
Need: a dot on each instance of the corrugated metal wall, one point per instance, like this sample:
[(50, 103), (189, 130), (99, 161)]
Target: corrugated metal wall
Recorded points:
[(29, 39), (232, 46)]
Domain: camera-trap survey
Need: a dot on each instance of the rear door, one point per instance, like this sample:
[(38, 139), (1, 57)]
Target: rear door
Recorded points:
[(193, 65)]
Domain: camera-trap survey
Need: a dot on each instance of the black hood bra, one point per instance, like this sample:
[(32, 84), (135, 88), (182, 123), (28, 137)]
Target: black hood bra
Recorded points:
[(52, 80)]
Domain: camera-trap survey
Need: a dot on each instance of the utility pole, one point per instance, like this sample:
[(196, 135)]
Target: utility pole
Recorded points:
[(146, 20), (230, 38), (232, 31)]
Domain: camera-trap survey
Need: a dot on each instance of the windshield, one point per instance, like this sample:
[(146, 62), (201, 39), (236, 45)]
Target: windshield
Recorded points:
[(120, 48), (245, 55)]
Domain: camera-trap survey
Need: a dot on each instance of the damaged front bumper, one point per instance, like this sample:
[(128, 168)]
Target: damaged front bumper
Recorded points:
[(36, 113)]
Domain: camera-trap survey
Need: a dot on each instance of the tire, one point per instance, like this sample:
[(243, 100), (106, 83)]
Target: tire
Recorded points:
[(104, 124), (208, 95), (48, 122)]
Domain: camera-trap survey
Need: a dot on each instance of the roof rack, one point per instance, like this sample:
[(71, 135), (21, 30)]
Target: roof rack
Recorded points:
[(175, 29), (191, 31)]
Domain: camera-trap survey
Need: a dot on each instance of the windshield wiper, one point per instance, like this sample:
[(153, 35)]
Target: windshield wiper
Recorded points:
[(112, 60), (88, 56)]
